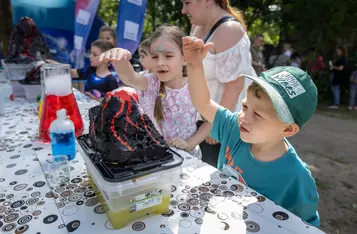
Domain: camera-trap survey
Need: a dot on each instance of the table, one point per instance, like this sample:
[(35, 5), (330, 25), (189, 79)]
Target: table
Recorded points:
[(204, 200)]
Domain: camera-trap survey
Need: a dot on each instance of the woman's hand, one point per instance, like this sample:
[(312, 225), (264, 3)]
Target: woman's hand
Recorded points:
[(195, 50), (115, 55)]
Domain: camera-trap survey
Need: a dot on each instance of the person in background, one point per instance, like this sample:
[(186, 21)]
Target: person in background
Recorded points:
[(108, 34), (225, 62), (279, 59), (288, 51), (98, 79), (258, 62), (144, 53), (338, 75), (295, 60), (352, 105)]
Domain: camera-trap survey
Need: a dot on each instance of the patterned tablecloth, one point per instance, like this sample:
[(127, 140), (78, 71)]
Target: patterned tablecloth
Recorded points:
[(203, 200)]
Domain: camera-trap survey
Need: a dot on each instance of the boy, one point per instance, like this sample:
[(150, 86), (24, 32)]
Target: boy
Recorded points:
[(254, 141)]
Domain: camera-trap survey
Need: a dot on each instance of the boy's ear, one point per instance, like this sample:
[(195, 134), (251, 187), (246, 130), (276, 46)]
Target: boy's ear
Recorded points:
[(291, 130)]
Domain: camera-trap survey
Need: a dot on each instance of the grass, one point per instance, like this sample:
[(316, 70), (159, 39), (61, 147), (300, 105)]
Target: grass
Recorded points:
[(321, 185)]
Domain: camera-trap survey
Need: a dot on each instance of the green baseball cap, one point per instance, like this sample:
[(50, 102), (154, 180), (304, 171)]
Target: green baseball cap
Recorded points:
[(292, 92)]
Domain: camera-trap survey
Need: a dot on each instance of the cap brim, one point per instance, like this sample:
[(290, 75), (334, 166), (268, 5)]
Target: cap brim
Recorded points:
[(280, 106)]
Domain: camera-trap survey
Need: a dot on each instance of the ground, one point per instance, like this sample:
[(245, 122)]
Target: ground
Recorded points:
[(328, 143)]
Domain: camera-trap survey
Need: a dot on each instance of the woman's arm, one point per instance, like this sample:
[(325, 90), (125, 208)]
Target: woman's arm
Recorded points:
[(120, 59), (222, 43)]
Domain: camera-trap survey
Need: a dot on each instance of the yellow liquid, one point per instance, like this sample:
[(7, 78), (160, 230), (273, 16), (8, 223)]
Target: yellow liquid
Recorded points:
[(122, 218), (40, 110)]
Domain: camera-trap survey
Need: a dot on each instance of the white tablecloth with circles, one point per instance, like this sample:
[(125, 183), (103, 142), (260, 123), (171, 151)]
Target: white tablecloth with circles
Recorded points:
[(203, 199)]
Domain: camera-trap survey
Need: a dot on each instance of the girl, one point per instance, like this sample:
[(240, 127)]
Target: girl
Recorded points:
[(108, 34), (98, 79), (144, 53), (164, 92)]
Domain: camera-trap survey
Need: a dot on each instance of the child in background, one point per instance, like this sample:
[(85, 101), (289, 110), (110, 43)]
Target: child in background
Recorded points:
[(164, 94), (144, 53), (107, 33), (353, 91), (254, 145), (99, 80)]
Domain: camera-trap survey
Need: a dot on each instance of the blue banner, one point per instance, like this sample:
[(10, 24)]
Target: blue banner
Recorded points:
[(131, 15), (85, 12)]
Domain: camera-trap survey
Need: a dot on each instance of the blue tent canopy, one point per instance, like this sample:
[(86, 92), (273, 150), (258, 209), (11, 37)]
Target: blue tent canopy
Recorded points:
[(55, 19)]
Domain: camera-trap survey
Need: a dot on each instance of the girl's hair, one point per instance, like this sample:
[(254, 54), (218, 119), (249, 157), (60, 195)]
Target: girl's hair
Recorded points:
[(256, 90), (144, 46), (103, 45), (176, 35), (224, 4), (111, 30)]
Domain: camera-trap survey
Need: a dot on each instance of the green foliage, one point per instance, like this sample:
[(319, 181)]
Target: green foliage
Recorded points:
[(108, 11)]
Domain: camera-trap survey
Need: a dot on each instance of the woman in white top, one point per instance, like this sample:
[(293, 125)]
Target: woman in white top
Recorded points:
[(226, 62)]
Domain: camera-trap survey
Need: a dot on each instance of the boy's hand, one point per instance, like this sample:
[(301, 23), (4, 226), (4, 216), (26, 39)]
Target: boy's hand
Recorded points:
[(115, 55), (195, 50), (180, 144)]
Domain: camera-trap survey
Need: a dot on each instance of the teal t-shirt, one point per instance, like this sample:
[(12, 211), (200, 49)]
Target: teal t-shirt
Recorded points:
[(287, 181)]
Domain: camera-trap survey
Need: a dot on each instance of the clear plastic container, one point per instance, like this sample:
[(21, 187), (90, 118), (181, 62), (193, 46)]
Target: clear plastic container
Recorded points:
[(134, 198), (32, 91), (16, 71), (18, 89)]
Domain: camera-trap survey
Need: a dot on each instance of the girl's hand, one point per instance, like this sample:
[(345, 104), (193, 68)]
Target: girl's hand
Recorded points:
[(211, 141), (195, 50), (115, 55), (180, 144)]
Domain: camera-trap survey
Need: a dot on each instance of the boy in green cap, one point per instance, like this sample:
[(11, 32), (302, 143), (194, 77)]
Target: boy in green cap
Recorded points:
[(254, 145)]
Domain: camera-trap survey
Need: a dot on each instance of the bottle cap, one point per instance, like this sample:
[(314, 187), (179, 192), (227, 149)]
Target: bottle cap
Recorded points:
[(61, 114)]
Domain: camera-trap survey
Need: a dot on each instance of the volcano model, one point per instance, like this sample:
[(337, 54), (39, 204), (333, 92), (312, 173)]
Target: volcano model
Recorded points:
[(122, 133)]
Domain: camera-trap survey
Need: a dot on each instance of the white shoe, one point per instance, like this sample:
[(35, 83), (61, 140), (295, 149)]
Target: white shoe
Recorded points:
[(350, 108), (333, 107)]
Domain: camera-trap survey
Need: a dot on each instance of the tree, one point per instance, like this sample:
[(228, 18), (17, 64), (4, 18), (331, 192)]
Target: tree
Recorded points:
[(108, 11)]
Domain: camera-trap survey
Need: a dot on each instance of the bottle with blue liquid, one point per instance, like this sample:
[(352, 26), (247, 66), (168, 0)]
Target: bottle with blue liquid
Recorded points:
[(62, 135)]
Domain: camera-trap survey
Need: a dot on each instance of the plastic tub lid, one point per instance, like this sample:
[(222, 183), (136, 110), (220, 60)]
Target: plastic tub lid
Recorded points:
[(113, 175)]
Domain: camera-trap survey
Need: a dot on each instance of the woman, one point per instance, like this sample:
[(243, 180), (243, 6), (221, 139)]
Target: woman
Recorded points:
[(338, 75), (225, 63)]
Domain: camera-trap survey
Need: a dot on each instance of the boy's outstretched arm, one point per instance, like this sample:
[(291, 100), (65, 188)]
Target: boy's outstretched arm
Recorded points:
[(194, 52)]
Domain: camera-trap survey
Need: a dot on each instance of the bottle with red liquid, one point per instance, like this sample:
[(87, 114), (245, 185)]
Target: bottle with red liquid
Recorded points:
[(57, 94)]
